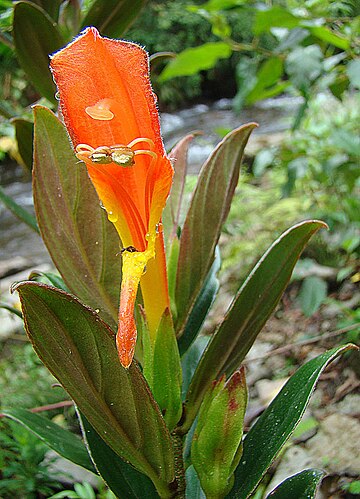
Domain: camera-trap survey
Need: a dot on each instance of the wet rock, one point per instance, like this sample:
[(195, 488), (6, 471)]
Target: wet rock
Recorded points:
[(171, 123), (223, 104)]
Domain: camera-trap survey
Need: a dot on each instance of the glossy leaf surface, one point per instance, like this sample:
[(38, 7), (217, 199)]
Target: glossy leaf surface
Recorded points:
[(36, 37), (209, 208), (251, 308), (81, 241), (273, 428), (113, 17), (202, 306), (60, 440), (79, 349), (124, 480), (303, 485)]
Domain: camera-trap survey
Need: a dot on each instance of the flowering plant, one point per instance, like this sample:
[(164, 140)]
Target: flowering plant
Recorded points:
[(161, 413)]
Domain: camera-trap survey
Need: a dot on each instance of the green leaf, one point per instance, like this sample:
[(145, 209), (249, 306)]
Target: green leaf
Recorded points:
[(36, 37), (81, 241), (248, 313), (312, 294), (18, 211), (24, 133), (193, 487), (328, 36), (267, 76), (275, 17), (202, 306), (79, 349), (124, 480), (60, 440), (49, 278), (49, 6), (353, 72), (113, 17), (167, 380), (303, 485), (304, 65), (208, 210), (192, 60), (190, 360), (270, 432)]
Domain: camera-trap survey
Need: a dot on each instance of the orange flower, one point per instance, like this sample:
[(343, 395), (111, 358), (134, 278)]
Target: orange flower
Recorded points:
[(110, 112)]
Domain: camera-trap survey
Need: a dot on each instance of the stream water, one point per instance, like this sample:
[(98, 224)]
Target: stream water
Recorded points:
[(17, 241)]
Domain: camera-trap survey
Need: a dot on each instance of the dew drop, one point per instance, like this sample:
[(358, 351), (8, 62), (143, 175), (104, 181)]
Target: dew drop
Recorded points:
[(57, 95), (112, 216), (97, 310), (147, 236)]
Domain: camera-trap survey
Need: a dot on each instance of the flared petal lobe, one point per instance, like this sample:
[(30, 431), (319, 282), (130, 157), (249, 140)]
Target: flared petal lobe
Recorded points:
[(110, 112)]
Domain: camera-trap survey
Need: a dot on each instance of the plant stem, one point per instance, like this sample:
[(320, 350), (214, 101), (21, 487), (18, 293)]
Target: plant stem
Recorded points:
[(177, 440)]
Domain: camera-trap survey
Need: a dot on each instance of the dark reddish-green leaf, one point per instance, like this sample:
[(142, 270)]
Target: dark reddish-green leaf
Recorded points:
[(113, 17), (81, 241), (273, 428), (303, 485), (36, 36), (79, 349), (171, 214), (251, 308), (208, 210)]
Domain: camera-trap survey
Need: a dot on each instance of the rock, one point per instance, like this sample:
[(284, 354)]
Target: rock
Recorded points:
[(68, 472), (268, 389), (223, 104), (257, 369), (350, 405), (13, 266), (171, 123), (294, 460), (336, 445)]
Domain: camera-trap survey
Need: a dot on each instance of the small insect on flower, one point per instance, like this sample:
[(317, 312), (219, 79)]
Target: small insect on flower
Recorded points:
[(119, 154)]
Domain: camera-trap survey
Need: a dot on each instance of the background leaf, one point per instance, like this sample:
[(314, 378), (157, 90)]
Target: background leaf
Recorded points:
[(79, 349), (193, 60), (124, 480), (36, 37), (211, 202), (113, 17), (303, 485), (274, 17), (24, 133), (273, 428), (312, 293), (81, 241), (248, 313), (18, 211), (60, 440)]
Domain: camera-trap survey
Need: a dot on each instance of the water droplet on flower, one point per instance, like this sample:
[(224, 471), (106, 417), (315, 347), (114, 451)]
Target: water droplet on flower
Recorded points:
[(57, 95), (112, 216), (147, 236), (97, 310), (102, 205), (100, 111), (159, 228)]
